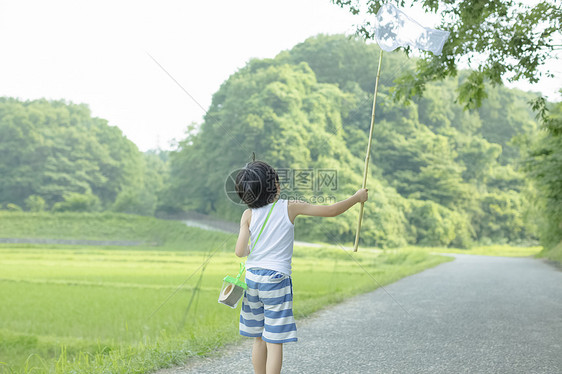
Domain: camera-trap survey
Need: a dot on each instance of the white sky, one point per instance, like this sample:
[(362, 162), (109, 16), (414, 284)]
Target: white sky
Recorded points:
[(95, 52)]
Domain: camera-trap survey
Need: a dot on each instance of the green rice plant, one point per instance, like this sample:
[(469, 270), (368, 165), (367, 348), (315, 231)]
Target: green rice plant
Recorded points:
[(121, 310)]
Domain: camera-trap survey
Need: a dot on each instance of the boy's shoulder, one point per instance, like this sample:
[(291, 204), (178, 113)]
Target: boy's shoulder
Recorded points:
[(294, 208)]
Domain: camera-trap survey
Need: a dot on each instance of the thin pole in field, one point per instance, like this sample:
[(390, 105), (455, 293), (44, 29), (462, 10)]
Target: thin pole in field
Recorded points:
[(368, 156)]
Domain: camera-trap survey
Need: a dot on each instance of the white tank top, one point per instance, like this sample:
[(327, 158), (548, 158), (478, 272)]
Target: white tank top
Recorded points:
[(274, 250)]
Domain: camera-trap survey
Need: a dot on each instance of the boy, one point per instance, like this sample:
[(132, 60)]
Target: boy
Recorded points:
[(267, 307)]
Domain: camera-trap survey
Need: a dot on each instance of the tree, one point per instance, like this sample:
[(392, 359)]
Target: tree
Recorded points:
[(259, 109), (436, 169), (35, 203), (54, 149), (545, 167), (500, 40), (75, 202)]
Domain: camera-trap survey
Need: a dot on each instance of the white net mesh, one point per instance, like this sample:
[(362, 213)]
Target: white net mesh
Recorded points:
[(395, 29)]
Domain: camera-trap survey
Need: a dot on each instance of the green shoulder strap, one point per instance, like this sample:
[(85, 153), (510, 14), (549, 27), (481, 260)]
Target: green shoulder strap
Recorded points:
[(266, 218), (243, 265)]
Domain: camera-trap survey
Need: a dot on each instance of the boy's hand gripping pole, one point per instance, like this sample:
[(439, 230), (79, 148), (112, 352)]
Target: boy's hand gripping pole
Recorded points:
[(365, 173)]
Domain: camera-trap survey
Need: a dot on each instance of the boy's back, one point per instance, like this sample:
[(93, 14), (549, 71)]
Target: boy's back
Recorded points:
[(274, 250)]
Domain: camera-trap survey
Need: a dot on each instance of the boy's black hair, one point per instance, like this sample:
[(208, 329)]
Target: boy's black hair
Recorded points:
[(256, 184)]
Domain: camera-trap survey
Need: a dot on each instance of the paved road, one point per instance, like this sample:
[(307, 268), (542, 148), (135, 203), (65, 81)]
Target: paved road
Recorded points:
[(476, 314)]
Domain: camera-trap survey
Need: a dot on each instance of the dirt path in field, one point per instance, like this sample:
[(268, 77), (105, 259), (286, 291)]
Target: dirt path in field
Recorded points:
[(70, 241), (191, 219), (477, 314)]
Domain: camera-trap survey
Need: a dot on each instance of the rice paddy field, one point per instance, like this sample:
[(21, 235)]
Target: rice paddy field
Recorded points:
[(134, 309)]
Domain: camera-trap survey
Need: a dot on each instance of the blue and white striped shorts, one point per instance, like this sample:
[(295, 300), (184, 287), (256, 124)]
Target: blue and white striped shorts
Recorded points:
[(267, 307)]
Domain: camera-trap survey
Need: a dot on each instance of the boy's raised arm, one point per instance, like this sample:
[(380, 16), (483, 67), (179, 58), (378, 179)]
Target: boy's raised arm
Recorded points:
[(304, 208)]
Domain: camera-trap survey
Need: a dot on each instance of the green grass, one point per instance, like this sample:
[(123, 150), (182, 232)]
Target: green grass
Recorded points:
[(152, 232), (89, 309), (553, 254)]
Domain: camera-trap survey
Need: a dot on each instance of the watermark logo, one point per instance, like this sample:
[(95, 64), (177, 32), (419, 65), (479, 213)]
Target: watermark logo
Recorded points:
[(250, 196), (314, 180), (296, 184)]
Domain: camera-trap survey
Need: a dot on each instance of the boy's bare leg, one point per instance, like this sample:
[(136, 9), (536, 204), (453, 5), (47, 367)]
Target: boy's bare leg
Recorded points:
[(259, 356), (274, 358)]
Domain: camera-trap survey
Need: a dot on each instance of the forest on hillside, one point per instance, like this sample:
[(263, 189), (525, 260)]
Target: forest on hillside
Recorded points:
[(55, 156), (439, 174)]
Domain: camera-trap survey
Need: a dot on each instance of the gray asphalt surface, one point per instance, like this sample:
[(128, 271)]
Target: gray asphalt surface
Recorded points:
[(476, 314)]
